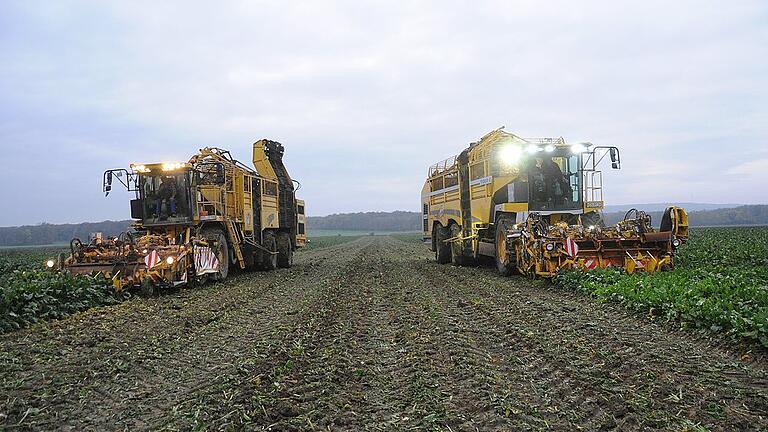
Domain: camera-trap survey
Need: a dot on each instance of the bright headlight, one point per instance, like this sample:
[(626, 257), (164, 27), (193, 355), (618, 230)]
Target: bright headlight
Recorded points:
[(675, 242), (578, 148), (50, 263), (510, 154), (550, 247), (549, 148), (171, 166), (532, 149), (169, 260)]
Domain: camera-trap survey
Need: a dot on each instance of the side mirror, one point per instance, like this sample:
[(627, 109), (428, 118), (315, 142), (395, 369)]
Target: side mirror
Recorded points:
[(108, 186), (615, 160)]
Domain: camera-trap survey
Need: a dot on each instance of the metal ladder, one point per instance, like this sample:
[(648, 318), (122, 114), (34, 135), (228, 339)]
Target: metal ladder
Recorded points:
[(236, 242)]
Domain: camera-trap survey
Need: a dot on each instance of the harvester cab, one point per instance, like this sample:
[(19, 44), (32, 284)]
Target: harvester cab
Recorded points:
[(195, 219), (534, 205)]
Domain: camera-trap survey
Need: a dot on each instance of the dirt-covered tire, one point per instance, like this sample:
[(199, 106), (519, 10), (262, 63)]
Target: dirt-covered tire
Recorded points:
[(222, 253), (442, 249), (457, 249), (147, 288), (505, 262), (269, 260), (221, 249), (250, 257), (285, 250)]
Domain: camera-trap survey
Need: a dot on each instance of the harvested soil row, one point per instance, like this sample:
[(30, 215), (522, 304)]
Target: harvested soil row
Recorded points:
[(135, 364), (373, 335)]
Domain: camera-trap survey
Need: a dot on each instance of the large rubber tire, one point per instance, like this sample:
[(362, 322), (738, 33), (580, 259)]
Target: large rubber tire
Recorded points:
[(505, 262), (221, 249), (285, 250), (222, 253), (457, 249), (269, 260), (250, 257), (442, 249), (148, 288)]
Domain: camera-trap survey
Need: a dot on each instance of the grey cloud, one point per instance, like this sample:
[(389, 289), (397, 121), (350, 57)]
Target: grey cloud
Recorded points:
[(371, 93)]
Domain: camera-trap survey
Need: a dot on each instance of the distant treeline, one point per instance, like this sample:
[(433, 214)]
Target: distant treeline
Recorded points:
[(372, 221), (742, 215), (46, 233)]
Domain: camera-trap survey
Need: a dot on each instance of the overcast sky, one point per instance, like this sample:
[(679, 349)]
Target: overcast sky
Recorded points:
[(366, 95)]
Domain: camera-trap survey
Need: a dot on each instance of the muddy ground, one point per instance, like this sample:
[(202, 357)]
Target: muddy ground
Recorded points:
[(374, 335)]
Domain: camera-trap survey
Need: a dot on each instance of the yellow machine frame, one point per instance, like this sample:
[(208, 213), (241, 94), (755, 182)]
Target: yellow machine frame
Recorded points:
[(246, 226), (493, 190)]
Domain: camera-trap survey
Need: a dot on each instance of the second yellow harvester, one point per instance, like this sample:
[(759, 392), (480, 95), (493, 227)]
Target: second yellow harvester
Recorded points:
[(534, 205)]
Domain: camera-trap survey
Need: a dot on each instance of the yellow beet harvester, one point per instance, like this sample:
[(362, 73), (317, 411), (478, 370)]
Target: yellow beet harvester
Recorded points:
[(534, 205), (195, 219)]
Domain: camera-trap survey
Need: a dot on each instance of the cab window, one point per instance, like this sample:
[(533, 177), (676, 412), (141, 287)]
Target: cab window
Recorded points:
[(477, 171), (452, 179), (437, 184)]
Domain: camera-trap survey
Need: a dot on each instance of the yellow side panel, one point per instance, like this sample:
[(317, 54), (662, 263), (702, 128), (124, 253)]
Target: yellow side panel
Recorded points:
[(239, 199), (261, 162), (481, 210), (248, 212), (269, 217), (514, 207), (443, 210)]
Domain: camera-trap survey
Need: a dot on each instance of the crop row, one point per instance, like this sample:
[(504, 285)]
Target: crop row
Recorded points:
[(30, 293), (720, 283)]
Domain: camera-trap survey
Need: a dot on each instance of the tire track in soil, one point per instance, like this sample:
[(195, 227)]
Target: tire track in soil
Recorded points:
[(356, 369), (131, 365), (573, 363), (373, 335)]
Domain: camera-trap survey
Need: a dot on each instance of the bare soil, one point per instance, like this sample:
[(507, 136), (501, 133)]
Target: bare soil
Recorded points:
[(374, 335)]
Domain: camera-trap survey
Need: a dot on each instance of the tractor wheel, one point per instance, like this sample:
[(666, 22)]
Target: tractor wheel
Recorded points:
[(147, 287), (222, 253), (442, 249), (269, 260), (505, 261), (457, 248), (285, 250), (250, 257), (221, 250)]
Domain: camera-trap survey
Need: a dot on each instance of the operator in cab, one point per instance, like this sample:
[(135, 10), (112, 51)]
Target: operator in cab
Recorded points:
[(166, 197), (558, 188), (537, 181)]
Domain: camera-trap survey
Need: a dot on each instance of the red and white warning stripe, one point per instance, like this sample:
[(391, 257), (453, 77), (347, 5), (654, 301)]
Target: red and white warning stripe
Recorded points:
[(152, 259), (205, 260), (571, 248), (590, 264)]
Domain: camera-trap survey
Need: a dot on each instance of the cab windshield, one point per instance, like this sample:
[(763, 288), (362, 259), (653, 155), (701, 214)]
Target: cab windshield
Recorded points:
[(555, 182), (165, 196)]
